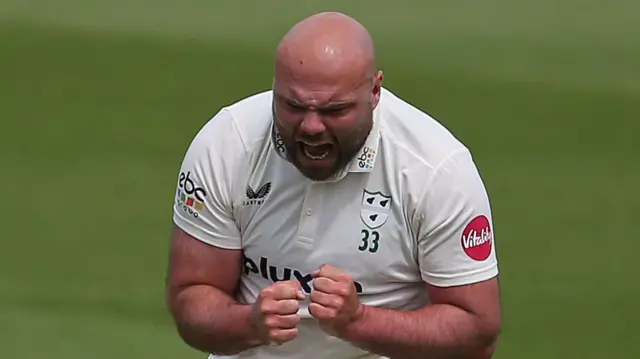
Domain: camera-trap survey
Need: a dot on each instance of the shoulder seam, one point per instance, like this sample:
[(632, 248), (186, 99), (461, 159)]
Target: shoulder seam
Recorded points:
[(399, 144), (419, 158), (436, 170), (235, 126)]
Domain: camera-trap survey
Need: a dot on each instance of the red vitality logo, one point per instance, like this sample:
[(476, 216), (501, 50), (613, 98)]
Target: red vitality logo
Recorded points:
[(477, 238)]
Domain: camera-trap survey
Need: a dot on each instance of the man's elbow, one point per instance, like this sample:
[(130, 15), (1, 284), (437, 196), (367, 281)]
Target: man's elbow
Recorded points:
[(488, 341), (484, 352), (191, 338)]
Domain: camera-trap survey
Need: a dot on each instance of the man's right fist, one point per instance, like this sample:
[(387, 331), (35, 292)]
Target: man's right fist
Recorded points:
[(275, 312)]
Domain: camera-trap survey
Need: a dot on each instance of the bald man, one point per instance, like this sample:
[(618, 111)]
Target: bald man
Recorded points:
[(328, 218)]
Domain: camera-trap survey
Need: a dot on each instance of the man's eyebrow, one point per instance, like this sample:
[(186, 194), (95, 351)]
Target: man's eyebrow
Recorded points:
[(337, 104), (289, 101)]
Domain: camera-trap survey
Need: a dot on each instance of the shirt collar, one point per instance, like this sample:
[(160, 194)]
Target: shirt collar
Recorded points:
[(277, 143), (364, 161)]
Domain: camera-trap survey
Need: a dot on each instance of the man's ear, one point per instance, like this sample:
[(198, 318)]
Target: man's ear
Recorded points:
[(377, 88)]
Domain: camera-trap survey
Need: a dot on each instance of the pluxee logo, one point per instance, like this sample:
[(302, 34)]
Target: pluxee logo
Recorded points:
[(190, 197), (276, 274)]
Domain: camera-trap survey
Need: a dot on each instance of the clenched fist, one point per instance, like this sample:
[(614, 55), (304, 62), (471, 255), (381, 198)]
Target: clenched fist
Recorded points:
[(274, 313), (334, 300)]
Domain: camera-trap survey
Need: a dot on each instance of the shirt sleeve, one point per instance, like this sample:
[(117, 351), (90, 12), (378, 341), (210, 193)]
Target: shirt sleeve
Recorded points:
[(203, 200), (456, 244)]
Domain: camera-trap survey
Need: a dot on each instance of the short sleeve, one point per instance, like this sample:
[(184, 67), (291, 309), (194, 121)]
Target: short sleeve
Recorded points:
[(456, 244), (203, 200)]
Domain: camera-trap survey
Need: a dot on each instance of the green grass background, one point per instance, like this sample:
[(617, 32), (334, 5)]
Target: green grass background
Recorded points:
[(99, 99)]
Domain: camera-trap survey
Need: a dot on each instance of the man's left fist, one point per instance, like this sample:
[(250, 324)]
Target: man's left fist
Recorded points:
[(334, 301)]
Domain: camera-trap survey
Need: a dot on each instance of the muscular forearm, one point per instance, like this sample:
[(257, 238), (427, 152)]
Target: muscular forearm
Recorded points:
[(211, 321), (436, 331)]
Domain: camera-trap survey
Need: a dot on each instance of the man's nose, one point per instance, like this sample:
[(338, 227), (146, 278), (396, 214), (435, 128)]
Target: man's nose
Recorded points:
[(312, 124)]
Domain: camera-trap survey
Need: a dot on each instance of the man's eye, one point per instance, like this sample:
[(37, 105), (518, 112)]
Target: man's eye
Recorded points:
[(295, 106), (333, 111)]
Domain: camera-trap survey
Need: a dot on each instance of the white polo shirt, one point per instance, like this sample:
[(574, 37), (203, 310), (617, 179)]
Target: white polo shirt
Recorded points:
[(410, 208)]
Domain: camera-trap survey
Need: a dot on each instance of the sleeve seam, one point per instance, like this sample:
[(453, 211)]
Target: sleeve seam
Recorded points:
[(470, 273), (465, 278), (202, 234)]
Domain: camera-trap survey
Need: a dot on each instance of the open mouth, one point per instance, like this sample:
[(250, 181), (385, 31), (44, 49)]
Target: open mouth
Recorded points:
[(315, 152)]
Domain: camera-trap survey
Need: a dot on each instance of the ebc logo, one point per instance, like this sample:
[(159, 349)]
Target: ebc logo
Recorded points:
[(365, 160), (276, 274), (190, 196)]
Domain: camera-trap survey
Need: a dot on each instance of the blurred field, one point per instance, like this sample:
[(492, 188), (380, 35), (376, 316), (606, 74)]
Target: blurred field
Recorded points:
[(98, 101)]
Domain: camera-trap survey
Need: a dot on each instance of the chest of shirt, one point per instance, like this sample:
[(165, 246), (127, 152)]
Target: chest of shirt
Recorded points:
[(290, 226)]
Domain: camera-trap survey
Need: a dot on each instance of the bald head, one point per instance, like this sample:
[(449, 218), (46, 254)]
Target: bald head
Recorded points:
[(326, 44), (325, 89)]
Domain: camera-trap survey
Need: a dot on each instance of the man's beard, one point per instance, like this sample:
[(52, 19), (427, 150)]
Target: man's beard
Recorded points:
[(315, 174), (347, 150), (346, 153)]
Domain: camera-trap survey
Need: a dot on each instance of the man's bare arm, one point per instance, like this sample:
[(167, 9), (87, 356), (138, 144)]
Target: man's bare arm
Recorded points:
[(200, 285), (462, 322)]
